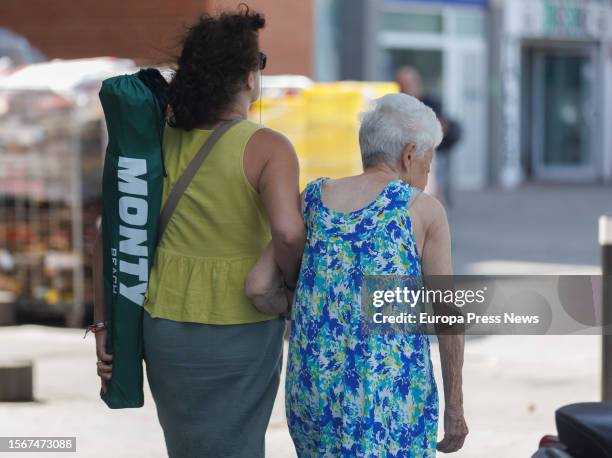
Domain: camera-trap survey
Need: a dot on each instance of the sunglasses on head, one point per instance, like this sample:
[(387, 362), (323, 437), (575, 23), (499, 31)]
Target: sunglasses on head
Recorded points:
[(263, 60)]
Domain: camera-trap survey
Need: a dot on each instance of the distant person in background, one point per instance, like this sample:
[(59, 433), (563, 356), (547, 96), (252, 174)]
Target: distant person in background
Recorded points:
[(409, 80)]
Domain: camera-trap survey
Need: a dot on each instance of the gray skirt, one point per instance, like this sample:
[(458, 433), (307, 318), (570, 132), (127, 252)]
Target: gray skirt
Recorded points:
[(214, 385)]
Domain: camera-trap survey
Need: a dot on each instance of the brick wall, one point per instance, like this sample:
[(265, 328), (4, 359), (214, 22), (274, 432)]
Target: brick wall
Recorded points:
[(288, 36), (148, 30)]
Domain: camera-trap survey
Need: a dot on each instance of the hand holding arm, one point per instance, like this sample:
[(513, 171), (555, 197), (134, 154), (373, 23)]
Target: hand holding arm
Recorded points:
[(264, 284)]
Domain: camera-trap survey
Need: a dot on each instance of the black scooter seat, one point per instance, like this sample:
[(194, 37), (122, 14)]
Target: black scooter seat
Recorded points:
[(586, 429)]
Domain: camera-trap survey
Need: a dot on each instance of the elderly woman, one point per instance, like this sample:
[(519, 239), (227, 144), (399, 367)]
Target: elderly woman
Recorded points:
[(350, 393)]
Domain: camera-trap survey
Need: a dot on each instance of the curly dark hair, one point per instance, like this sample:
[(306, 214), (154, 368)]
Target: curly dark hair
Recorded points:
[(217, 54)]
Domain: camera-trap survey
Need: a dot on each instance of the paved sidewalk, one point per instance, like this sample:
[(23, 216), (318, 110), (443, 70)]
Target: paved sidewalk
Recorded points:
[(541, 226), (512, 386)]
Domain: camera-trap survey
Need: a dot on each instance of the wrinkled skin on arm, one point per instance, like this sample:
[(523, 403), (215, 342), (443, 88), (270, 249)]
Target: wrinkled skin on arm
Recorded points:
[(436, 260)]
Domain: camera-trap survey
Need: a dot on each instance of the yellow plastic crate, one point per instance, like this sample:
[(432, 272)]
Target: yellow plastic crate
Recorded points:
[(322, 122)]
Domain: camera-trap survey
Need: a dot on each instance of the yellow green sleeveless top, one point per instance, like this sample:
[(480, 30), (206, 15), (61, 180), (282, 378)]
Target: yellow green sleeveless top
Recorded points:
[(218, 230)]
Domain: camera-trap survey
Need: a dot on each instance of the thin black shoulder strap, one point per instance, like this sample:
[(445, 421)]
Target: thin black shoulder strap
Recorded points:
[(183, 182)]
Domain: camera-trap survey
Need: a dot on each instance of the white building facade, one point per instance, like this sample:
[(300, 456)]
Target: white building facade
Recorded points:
[(551, 110)]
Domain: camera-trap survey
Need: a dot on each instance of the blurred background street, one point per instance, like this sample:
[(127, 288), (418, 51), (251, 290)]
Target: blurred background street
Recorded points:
[(537, 229), (524, 89)]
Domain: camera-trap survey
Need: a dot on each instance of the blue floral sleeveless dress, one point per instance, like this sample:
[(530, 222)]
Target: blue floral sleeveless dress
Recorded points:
[(351, 394)]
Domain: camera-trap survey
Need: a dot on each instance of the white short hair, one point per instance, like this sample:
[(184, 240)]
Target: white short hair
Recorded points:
[(395, 121)]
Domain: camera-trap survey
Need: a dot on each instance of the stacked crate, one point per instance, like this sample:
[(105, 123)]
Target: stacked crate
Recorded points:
[(50, 166), (322, 122)]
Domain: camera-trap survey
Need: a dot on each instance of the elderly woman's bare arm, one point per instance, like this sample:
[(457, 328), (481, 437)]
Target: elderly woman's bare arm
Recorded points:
[(436, 260)]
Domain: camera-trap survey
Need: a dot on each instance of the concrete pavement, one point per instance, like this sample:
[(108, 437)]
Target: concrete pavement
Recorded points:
[(538, 225), (512, 386)]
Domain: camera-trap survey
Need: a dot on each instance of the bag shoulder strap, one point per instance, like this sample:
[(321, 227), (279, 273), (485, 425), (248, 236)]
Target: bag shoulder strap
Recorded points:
[(183, 182)]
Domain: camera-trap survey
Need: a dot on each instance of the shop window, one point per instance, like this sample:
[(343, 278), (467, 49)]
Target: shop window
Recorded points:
[(469, 24), (412, 22)]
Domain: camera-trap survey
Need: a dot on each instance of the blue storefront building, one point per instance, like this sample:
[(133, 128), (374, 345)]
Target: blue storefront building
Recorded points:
[(445, 40)]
